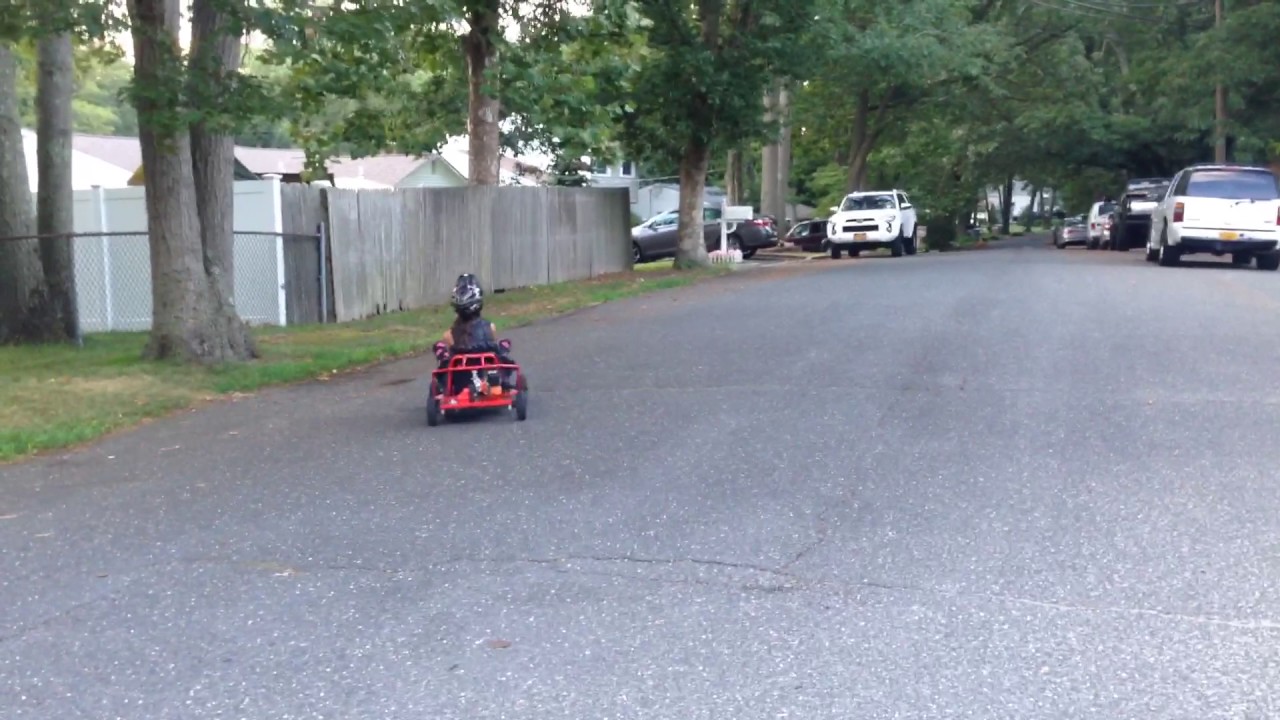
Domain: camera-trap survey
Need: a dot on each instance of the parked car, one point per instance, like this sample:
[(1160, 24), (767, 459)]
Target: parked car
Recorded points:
[(871, 220), (1073, 232), (1221, 210), (657, 237), (808, 235), (661, 221), (1131, 222), (1098, 213)]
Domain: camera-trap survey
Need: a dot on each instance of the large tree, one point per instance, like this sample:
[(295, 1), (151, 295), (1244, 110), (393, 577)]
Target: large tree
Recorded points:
[(700, 88), (188, 210), (21, 276), (368, 78), (55, 198)]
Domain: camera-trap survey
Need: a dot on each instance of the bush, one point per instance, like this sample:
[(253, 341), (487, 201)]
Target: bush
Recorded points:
[(941, 233)]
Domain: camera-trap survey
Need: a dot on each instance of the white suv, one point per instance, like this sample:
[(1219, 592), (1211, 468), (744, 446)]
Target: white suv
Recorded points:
[(871, 220), (1218, 209)]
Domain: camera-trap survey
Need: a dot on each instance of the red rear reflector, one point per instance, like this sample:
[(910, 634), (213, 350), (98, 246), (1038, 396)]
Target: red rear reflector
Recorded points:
[(1178, 209)]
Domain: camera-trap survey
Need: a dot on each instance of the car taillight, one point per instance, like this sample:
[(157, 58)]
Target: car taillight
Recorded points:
[(1178, 209)]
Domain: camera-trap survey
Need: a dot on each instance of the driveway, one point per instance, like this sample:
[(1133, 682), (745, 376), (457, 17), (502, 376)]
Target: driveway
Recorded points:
[(953, 485)]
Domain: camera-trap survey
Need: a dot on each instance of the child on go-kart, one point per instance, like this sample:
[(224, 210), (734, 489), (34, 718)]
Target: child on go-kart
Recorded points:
[(471, 332)]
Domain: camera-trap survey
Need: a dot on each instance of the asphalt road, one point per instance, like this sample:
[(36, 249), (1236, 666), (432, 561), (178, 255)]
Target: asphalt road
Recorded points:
[(1018, 483)]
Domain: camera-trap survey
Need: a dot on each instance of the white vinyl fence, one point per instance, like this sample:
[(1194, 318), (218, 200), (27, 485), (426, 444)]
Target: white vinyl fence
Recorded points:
[(113, 262)]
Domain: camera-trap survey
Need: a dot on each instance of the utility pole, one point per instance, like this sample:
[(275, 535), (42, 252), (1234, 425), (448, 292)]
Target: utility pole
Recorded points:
[(1219, 102)]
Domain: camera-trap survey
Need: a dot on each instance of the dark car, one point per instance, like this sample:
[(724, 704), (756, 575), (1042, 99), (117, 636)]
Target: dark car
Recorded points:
[(1131, 220), (808, 235), (658, 238)]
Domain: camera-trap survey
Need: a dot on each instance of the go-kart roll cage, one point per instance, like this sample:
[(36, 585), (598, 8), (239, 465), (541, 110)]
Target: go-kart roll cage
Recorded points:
[(483, 362)]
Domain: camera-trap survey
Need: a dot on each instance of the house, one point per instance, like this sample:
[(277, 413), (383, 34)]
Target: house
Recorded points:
[(447, 168), (87, 170)]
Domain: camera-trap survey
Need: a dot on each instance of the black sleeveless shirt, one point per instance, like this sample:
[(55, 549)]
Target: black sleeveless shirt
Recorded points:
[(480, 337)]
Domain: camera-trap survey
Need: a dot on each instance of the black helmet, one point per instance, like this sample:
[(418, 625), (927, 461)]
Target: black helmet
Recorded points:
[(468, 298)]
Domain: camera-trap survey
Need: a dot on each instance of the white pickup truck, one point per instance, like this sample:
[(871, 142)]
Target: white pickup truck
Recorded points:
[(1221, 210), (870, 220)]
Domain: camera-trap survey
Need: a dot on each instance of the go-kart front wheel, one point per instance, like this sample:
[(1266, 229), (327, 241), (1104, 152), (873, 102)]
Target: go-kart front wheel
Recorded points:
[(521, 405)]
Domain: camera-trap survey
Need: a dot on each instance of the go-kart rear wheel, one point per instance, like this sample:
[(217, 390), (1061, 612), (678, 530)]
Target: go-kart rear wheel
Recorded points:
[(434, 414)]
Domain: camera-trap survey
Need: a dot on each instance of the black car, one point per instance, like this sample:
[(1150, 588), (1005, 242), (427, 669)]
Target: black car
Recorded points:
[(1131, 221), (808, 235)]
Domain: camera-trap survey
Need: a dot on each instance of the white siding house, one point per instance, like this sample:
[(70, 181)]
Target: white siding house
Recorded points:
[(433, 172)]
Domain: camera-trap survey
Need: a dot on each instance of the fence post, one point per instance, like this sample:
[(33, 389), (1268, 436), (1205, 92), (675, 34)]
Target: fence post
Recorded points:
[(323, 236), (100, 199)]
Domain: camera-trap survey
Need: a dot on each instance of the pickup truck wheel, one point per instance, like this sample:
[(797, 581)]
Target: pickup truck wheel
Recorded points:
[(835, 252), (909, 243), (1269, 262), (896, 248), (1152, 254), (1168, 256), (1240, 259)]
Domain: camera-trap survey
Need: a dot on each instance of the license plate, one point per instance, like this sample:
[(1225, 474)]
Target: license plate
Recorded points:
[(1228, 236), (859, 236)]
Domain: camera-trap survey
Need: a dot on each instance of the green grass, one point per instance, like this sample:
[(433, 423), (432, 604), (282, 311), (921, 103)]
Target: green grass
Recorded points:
[(57, 396), (667, 264)]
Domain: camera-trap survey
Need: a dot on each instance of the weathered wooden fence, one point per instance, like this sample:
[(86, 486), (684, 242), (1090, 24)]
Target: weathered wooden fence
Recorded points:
[(402, 249), (301, 214)]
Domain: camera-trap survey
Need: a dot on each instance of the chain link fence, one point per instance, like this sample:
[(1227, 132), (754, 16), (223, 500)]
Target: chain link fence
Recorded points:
[(280, 278)]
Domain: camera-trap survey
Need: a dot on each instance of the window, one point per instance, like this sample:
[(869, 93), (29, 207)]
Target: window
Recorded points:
[(882, 201), (1233, 185), (902, 200), (710, 214), (665, 219), (628, 169), (598, 167)]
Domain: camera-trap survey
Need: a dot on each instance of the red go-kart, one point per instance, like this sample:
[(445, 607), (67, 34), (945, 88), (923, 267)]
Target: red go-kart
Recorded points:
[(474, 381)]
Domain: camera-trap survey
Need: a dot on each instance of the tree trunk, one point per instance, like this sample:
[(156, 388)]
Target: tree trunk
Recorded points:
[(859, 145), (55, 197), (769, 158), (215, 57), (733, 177), (185, 323), (692, 249), (21, 277), (483, 131), (1006, 199), (784, 158)]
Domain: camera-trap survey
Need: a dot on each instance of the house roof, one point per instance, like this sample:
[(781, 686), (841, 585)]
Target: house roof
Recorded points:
[(87, 170), (123, 152)]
